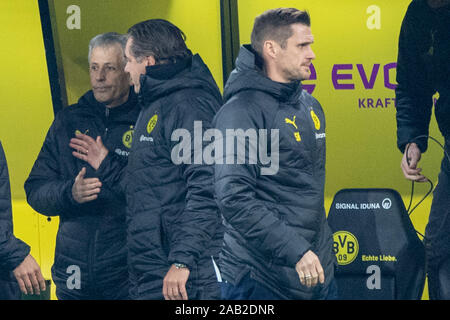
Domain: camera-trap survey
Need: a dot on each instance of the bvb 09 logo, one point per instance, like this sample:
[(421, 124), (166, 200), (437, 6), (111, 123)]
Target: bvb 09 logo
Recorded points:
[(127, 137), (152, 123), (315, 119), (345, 247)]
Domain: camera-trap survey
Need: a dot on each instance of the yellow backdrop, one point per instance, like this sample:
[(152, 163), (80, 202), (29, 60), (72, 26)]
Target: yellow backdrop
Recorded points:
[(26, 111), (355, 40)]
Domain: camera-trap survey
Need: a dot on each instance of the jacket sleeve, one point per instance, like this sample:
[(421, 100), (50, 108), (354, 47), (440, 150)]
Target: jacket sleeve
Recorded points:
[(111, 173), (48, 191), (414, 91), (200, 219), (235, 188), (12, 250)]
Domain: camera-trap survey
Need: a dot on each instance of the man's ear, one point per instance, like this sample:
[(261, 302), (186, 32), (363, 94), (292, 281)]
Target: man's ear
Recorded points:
[(270, 48), (150, 61)]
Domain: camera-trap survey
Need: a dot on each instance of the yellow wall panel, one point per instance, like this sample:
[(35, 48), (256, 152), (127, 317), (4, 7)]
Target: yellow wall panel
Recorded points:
[(361, 142), (198, 19), (25, 109), (26, 106)]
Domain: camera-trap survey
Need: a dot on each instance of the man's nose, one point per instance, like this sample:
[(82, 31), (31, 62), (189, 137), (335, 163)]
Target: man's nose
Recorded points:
[(101, 75), (311, 54)]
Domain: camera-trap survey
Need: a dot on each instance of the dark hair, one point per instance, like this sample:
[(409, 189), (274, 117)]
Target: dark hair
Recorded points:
[(275, 24), (158, 38)]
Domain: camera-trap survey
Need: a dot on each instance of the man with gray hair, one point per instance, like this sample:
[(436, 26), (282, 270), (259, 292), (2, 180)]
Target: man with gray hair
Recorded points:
[(90, 255), (174, 227)]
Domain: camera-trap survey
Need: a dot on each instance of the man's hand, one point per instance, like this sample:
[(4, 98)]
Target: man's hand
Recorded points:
[(409, 163), (89, 150), (310, 270), (174, 284), (84, 190), (28, 275)]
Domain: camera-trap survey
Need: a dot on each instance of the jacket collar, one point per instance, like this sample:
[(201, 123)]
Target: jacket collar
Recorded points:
[(164, 79), (248, 75), (88, 100)]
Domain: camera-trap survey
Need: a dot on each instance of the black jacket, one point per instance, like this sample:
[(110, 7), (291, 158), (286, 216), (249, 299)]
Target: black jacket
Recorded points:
[(12, 250), (90, 235), (423, 67), (271, 220), (172, 216)]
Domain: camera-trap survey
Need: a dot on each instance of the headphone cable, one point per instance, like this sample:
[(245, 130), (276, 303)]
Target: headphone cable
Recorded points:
[(409, 210)]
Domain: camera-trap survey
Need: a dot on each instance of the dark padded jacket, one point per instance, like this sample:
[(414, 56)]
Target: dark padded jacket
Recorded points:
[(172, 215), (423, 67), (12, 250), (271, 220), (92, 235)]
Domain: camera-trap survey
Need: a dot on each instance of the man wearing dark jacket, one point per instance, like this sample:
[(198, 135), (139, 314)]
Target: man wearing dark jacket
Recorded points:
[(423, 68), (18, 269), (277, 242), (90, 255), (174, 228)]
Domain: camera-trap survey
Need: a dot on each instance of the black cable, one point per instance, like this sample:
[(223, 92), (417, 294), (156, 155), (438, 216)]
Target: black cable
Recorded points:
[(410, 202), (412, 192), (426, 195), (409, 210), (435, 140)]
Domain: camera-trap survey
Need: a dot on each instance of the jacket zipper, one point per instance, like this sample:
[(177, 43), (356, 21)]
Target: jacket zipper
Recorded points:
[(105, 135), (94, 239)]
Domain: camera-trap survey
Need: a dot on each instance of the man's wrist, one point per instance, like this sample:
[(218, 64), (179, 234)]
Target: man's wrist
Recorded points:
[(180, 265)]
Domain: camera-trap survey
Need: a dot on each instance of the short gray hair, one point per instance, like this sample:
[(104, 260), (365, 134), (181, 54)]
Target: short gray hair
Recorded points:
[(106, 40)]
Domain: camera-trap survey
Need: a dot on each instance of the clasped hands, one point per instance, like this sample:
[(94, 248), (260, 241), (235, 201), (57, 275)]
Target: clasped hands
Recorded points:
[(93, 152)]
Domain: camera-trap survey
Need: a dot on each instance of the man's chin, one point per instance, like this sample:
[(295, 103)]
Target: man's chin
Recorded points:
[(102, 98), (305, 76)]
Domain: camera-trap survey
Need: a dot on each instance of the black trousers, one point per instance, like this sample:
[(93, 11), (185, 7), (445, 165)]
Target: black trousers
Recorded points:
[(437, 237)]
